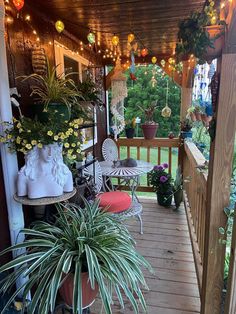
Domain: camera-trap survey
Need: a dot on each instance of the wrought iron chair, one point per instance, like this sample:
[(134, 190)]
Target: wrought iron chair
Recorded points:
[(135, 209), (109, 150)]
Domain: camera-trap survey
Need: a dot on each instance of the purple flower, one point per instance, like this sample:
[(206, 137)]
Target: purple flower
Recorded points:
[(158, 168), (165, 165), (163, 179)]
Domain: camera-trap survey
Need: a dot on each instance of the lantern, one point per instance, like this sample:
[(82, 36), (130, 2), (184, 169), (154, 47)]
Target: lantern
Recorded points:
[(91, 38), (59, 25), (166, 111), (131, 37), (18, 4), (115, 40), (144, 52), (154, 60)]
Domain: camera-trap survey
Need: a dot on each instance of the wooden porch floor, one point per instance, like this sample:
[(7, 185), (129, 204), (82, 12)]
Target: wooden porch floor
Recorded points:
[(166, 245)]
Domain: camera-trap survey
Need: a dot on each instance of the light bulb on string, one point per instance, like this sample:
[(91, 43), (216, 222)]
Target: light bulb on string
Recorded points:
[(154, 60), (59, 25), (131, 37), (115, 40)]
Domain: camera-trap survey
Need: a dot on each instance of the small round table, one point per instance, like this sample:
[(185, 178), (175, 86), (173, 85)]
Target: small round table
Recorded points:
[(129, 175)]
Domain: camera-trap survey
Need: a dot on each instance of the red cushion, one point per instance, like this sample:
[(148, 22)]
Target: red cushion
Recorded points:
[(115, 202)]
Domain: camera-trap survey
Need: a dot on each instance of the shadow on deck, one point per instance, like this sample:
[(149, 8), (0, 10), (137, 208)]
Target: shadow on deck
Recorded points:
[(166, 245)]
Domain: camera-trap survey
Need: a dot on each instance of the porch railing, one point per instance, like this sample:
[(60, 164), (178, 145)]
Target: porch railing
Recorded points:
[(195, 192), (156, 151)]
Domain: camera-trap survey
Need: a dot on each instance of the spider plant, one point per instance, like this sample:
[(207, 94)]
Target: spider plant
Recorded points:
[(52, 88), (87, 240)]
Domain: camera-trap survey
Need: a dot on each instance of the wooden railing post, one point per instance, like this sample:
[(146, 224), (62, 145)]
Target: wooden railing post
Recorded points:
[(218, 190)]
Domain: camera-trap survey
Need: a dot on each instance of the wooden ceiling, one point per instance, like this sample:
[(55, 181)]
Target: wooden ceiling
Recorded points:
[(154, 22)]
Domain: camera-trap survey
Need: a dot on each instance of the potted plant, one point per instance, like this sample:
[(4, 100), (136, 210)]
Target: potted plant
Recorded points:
[(162, 184), (53, 92), (185, 128), (198, 113), (130, 128), (199, 37), (149, 127), (199, 138), (85, 248), (178, 188), (89, 91), (191, 113)]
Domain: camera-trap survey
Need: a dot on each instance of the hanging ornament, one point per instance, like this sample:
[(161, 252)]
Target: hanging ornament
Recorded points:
[(118, 92), (144, 52), (115, 40), (132, 67), (18, 4), (132, 76), (163, 63), (166, 111), (154, 60), (59, 25), (131, 37), (91, 38)]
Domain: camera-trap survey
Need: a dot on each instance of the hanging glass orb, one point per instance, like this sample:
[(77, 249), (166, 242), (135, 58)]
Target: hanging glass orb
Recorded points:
[(166, 111), (131, 37), (115, 40), (59, 25), (18, 4), (144, 52), (163, 63), (154, 60), (91, 38)]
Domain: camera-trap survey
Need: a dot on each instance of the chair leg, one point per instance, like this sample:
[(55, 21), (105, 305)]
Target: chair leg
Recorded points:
[(141, 223)]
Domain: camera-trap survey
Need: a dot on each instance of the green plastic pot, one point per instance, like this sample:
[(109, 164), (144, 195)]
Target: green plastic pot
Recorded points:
[(62, 111)]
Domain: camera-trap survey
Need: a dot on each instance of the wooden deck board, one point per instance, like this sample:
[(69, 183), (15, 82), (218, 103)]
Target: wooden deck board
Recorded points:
[(173, 287)]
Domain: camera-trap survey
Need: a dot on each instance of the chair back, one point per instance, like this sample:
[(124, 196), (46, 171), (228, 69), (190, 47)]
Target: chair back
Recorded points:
[(109, 150), (94, 170)]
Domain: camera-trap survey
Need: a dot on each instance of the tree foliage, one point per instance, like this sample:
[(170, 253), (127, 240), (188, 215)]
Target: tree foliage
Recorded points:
[(141, 92)]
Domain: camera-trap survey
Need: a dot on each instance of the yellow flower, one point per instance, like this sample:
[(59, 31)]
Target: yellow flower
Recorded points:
[(73, 144), (70, 130), (68, 133), (40, 145), (75, 133), (76, 126), (67, 145), (2, 140), (85, 142), (34, 142), (28, 146), (28, 131), (78, 150), (70, 151), (25, 142), (9, 136), (18, 125), (20, 130), (56, 137), (18, 140), (73, 156), (50, 133)]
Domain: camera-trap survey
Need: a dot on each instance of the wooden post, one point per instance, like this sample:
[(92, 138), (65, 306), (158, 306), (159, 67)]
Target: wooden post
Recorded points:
[(218, 190), (230, 306)]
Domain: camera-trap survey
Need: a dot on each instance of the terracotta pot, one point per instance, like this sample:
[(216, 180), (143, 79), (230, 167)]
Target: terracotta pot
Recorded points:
[(198, 116), (217, 35), (149, 130), (193, 116), (88, 294)]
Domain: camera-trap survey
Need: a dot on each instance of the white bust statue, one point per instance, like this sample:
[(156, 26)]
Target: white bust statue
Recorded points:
[(44, 173)]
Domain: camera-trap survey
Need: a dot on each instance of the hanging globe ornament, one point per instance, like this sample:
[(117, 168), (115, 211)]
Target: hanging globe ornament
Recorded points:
[(154, 60), (115, 40), (166, 111), (131, 37), (59, 25), (144, 52), (91, 38), (18, 4), (163, 63)]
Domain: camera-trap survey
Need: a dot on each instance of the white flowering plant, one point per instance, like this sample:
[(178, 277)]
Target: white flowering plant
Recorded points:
[(24, 133)]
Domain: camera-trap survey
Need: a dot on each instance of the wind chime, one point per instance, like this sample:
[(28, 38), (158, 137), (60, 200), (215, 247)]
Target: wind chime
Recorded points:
[(119, 92), (166, 111)]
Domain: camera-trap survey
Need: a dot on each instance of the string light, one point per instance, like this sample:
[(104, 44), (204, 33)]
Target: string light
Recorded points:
[(27, 17)]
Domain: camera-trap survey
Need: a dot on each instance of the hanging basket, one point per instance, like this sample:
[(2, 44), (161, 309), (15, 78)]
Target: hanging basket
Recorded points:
[(217, 36)]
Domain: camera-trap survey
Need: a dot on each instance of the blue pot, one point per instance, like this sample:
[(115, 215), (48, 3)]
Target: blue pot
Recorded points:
[(186, 134)]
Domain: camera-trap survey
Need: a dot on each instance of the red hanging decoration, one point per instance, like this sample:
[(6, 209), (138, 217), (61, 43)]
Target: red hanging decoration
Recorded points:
[(144, 52), (133, 77), (18, 4)]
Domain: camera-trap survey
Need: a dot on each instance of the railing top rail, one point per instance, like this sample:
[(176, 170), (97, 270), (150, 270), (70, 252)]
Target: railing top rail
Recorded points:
[(196, 158), (141, 142)]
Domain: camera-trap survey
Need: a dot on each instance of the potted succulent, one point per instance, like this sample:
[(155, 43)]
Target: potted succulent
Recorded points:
[(200, 35), (178, 188), (162, 184), (185, 128), (52, 92), (149, 127), (86, 249), (130, 128)]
